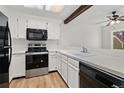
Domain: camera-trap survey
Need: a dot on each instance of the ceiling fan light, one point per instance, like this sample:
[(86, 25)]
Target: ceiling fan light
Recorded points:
[(40, 7), (112, 22), (54, 8), (120, 33), (57, 8), (117, 21), (48, 7), (29, 6)]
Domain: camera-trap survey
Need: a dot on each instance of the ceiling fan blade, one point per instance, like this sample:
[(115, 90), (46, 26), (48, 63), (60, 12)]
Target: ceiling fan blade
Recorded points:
[(108, 24), (110, 17), (102, 22), (121, 16), (121, 19)]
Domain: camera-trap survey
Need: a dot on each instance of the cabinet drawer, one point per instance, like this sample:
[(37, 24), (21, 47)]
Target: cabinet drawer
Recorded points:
[(64, 71), (64, 61), (52, 53), (64, 57), (73, 76), (73, 62)]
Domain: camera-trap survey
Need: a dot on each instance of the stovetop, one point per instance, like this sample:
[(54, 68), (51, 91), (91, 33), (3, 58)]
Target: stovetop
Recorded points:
[(37, 49)]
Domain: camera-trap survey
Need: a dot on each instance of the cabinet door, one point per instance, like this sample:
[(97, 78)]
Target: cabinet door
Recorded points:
[(64, 71), (53, 31), (59, 68), (32, 23), (22, 25), (13, 26), (17, 66), (73, 76), (44, 25), (52, 63)]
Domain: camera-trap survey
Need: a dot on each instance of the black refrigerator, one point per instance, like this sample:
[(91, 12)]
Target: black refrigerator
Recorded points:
[(5, 51)]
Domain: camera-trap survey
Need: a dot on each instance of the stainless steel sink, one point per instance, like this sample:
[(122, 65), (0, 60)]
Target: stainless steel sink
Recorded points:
[(81, 54)]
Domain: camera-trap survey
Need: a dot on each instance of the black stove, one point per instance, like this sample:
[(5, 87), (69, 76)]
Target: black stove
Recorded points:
[(37, 49), (36, 61)]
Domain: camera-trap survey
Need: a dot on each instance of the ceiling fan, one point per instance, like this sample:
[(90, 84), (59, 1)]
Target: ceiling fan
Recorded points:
[(114, 19)]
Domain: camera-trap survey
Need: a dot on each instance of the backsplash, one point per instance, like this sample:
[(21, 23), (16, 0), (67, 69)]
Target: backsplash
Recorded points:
[(22, 44), (19, 45), (100, 51)]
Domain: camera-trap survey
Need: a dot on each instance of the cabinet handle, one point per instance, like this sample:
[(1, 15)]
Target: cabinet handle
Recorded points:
[(41, 61), (75, 68), (37, 65)]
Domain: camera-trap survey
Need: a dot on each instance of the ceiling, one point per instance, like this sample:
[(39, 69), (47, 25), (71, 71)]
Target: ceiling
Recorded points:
[(93, 15), (98, 13), (68, 9)]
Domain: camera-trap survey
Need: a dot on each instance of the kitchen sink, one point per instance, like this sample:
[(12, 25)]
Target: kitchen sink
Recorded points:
[(81, 54)]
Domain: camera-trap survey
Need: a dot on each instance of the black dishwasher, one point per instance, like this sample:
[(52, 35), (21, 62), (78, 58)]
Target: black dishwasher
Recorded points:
[(91, 77)]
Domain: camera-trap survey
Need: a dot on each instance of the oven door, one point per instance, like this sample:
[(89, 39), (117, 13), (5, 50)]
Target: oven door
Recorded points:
[(36, 61), (34, 34), (45, 36)]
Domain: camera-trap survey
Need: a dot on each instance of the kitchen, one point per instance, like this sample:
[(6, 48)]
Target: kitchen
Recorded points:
[(69, 51)]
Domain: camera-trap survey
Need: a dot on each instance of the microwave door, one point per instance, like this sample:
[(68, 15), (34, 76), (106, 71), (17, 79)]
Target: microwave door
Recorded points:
[(35, 34)]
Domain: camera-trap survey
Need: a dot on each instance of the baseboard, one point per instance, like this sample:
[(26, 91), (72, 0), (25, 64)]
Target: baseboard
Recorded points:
[(63, 79), (53, 71), (18, 77)]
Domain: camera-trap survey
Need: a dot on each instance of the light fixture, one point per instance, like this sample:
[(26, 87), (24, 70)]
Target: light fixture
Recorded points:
[(48, 7), (112, 22), (120, 33), (34, 6), (58, 8), (117, 21), (40, 7), (54, 8), (29, 6)]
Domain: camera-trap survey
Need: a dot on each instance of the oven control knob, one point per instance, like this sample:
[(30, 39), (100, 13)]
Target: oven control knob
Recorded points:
[(41, 61)]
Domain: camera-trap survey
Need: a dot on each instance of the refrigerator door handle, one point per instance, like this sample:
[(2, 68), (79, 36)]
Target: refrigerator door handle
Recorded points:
[(10, 45)]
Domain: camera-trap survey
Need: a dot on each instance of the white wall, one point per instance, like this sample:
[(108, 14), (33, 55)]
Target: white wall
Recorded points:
[(3, 20), (78, 32), (21, 44), (107, 35)]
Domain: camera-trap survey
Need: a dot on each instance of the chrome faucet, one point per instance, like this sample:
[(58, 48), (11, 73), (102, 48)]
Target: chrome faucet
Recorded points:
[(84, 49)]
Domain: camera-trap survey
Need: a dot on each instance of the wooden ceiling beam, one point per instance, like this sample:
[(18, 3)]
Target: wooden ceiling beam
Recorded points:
[(76, 13)]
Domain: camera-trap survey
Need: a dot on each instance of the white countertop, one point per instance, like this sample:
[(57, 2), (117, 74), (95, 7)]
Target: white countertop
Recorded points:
[(18, 52), (113, 65)]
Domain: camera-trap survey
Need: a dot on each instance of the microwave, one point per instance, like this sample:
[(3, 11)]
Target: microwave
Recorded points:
[(36, 34)]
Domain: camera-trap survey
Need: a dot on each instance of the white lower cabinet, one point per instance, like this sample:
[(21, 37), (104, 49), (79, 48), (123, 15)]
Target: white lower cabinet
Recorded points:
[(17, 66), (73, 76), (59, 67), (53, 64), (67, 67), (64, 71), (73, 73)]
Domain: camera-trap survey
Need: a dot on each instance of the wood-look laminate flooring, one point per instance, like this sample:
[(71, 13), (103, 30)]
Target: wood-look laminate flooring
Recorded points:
[(51, 80)]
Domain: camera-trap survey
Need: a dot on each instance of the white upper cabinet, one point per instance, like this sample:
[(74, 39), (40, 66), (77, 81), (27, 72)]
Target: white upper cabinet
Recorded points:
[(38, 24), (13, 26), (22, 26), (53, 31), (19, 25), (34, 24), (44, 25)]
